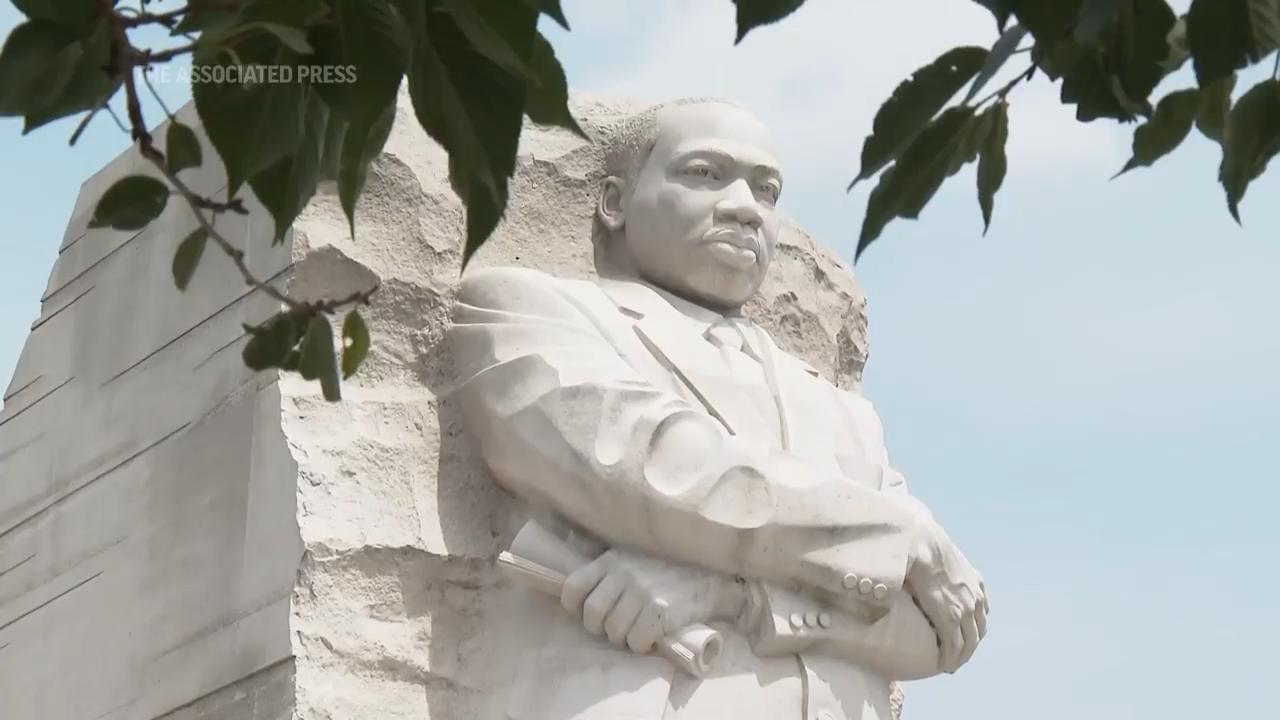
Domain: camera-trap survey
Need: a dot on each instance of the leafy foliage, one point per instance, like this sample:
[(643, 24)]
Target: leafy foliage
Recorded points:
[(131, 203), (754, 13), (476, 69), (355, 339), (913, 105), (993, 162), (187, 258), (1252, 140), (1166, 130), (182, 148), (317, 360), (1226, 35), (1215, 107)]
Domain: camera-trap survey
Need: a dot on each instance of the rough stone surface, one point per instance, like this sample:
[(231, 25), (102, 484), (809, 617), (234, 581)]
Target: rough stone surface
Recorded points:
[(241, 537)]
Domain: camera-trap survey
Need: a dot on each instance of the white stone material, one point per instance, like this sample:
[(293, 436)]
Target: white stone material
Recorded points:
[(180, 537)]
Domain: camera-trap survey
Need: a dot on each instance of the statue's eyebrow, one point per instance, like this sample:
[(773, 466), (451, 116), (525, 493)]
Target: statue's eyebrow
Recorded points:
[(723, 157)]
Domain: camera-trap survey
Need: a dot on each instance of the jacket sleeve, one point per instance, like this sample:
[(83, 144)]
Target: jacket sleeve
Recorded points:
[(900, 644), (563, 421)]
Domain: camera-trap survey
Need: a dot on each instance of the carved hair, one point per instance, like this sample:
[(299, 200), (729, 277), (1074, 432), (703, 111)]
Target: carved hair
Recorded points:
[(629, 142), (627, 145)]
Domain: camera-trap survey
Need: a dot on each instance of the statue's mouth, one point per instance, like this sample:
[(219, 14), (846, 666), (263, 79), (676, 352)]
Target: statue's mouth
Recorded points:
[(737, 245)]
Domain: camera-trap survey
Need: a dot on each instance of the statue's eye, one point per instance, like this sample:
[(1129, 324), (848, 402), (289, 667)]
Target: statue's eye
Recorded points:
[(701, 170), (771, 189)]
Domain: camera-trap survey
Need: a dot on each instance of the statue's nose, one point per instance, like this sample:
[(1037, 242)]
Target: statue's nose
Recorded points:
[(739, 205)]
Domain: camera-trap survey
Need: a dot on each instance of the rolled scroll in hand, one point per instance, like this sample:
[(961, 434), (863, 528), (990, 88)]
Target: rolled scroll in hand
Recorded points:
[(542, 561)]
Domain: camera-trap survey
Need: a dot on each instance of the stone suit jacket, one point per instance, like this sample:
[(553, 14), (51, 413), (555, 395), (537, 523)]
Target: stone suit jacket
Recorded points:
[(602, 403)]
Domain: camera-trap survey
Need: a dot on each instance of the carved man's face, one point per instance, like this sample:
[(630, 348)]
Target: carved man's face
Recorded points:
[(701, 219)]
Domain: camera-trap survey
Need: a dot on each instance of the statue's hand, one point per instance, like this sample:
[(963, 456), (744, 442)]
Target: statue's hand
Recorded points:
[(637, 600), (951, 594)]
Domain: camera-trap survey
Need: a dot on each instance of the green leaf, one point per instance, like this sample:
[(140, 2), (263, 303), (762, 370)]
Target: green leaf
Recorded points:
[(1220, 37), (359, 148), (880, 210), (754, 13), (914, 103), (1215, 107), (1140, 47), (187, 257), (1110, 68), (1087, 82), (1001, 9), (1252, 140), (130, 203), (252, 126), (181, 148), (204, 20), (1166, 130), (291, 37), (1179, 51), (335, 132), (931, 159), (270, 344), (484, 212), (1095, 16), (285, 188), (996, 58), (36, 64), (355, 343), (291, 13), (550, 8), (287, 21), (88, 88), (1264, 21), (547, 93), (474, 109), (485, 39), (317, 358), (993, 162), (77, 16), (371, 37), (1049, 21), (918, 173)]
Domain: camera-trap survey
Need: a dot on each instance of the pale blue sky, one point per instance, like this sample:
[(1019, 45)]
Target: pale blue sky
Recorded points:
[(1089, 397)]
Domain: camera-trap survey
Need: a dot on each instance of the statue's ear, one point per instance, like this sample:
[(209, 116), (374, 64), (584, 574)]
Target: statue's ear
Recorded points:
[(609, 208)]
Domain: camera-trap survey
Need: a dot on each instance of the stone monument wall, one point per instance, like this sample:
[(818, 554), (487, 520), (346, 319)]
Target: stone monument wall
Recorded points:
[(183, 538)]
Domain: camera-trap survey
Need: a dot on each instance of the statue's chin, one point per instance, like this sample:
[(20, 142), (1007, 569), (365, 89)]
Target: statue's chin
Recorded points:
[(722, 292)]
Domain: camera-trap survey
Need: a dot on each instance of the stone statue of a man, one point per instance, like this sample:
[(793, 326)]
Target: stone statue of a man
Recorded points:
[(732, 485)]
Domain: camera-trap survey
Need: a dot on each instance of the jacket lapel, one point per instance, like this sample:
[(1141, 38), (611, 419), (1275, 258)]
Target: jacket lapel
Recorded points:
[(806, 427), (675, 342)]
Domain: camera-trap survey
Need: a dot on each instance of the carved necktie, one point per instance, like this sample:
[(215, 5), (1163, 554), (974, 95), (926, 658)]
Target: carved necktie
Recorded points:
[(730, 334), (745, 368)]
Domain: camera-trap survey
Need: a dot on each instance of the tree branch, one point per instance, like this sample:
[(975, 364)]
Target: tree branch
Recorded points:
[(1004, 91), (128, 59)]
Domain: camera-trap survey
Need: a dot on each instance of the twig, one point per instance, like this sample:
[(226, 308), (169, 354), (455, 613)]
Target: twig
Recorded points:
[(1004, 91), (88, 118), (134, 58), (146, 78), (119, 123), (1275, 73), (146, 57), (167, 19)]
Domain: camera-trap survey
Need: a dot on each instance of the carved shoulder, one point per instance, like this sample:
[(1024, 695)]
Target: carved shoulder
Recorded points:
[(508, 288), (532, 295)]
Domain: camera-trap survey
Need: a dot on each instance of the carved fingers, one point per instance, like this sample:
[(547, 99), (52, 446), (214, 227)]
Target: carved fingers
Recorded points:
[(952, 595), (635, 600)]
